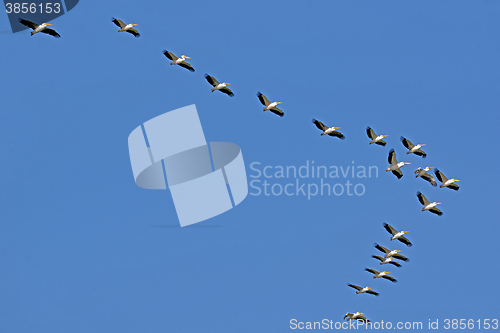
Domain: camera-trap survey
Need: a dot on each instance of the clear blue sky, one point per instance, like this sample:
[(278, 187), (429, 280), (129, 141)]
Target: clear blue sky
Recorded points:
[(83, 249)]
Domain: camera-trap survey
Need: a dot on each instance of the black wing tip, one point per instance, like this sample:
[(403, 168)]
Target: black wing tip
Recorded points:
[(206, 75), (409, 244), (385, 224), (259, 94), (391, 151), (191, 69), (20, 19), (113, 19), (402, 138), (419, 193), (368, 128), (314, 120)]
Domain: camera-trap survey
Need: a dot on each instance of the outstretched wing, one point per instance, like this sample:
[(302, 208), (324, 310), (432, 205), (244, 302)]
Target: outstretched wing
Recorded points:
[(400, 257), (51, 32), (372, 292), (395, 263), (227, 91), (355, 286), (453, 186), (390, 229), (407, 143), (118, 22), (371, 134), (263, 99), (398, 173), (423, 200), (440, 176), (404, 240), (392, 157), (320, 125), (378, 257), (382, 249), (371, 270), (337, 134), (430, 179), (28, 23), (420, 152), (170, 55), (212, 80), (390, 278), (134, 32), (277, 111), (436, 211), (187, 66)]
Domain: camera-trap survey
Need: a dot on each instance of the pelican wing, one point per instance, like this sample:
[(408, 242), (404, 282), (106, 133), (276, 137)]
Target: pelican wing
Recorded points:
[(436, 211), (348, 315), (277, 111), (133, 32), (170, 55), (51, 32), (212, 80), (381, 143), (371, 133), (320, 125), (400, 257), (417, 171), (390, 278), (362, 319), (337, 134), (423, 200), (420, 152), (390, 229), (372, 292), (355, 286), (453, 186), (395, 263), (407, 143), (378, 257), (382, 249), (118, 22), (392, 157), (28, 23), (398, 173), (404, 240), (263, 99), (430, 179), (187, 66), (440, 176), (371, 270), (227, 91)]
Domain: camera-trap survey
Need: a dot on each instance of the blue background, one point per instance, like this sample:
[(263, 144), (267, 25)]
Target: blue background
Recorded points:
[(83, 249)]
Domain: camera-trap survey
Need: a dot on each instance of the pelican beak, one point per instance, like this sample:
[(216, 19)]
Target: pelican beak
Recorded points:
[(279, 102), (405, 232), (431, 167), (456, 180), (228, 84), (384, 136), (361, 313), (336, 128), (438, 203), (134, 25), (48, 24), (386, 272), (406, 162), (187, 57), (368, 288), (397, 250), (423, 144)]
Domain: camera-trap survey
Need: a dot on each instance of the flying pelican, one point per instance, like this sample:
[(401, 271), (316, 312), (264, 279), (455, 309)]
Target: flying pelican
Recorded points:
[(377, 139), (430, 206), (331, 131), (39, 28), (424, 175), (356, 316), (389, 260), (219, 86), (412, 148), (270, 106), (399, 235), (126, 27), (449, 183), (377, 274), (389, 253), (361, 290), (179, 61), (394, 165)]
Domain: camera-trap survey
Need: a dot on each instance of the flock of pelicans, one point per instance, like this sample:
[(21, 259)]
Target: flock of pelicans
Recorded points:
[(390, 256)]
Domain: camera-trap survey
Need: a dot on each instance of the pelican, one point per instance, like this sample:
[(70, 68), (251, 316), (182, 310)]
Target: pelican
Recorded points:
[(389, 253), (424, 175), (412, 148), (377, 139), (394, 165), (331, 131), (430, 206), (389, 260), (399, 235), (449, 183), (377, 274), (361, 290), (356, 316), (270, 106), (219, 86), (179, 61), (126, 27), (39, 28)]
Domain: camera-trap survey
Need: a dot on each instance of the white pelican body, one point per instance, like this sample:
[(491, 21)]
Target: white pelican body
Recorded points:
[(389, 253), (178, 61), (376, 139), (331, 131), (415, 149), (377, 274), (126, 27), (268, 106), (395, 166), (430, 206), (390, 260), (399, 235), (356, 316), (420, 172), (450, 183), (219, 86), (361, 290), (39, 28)]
